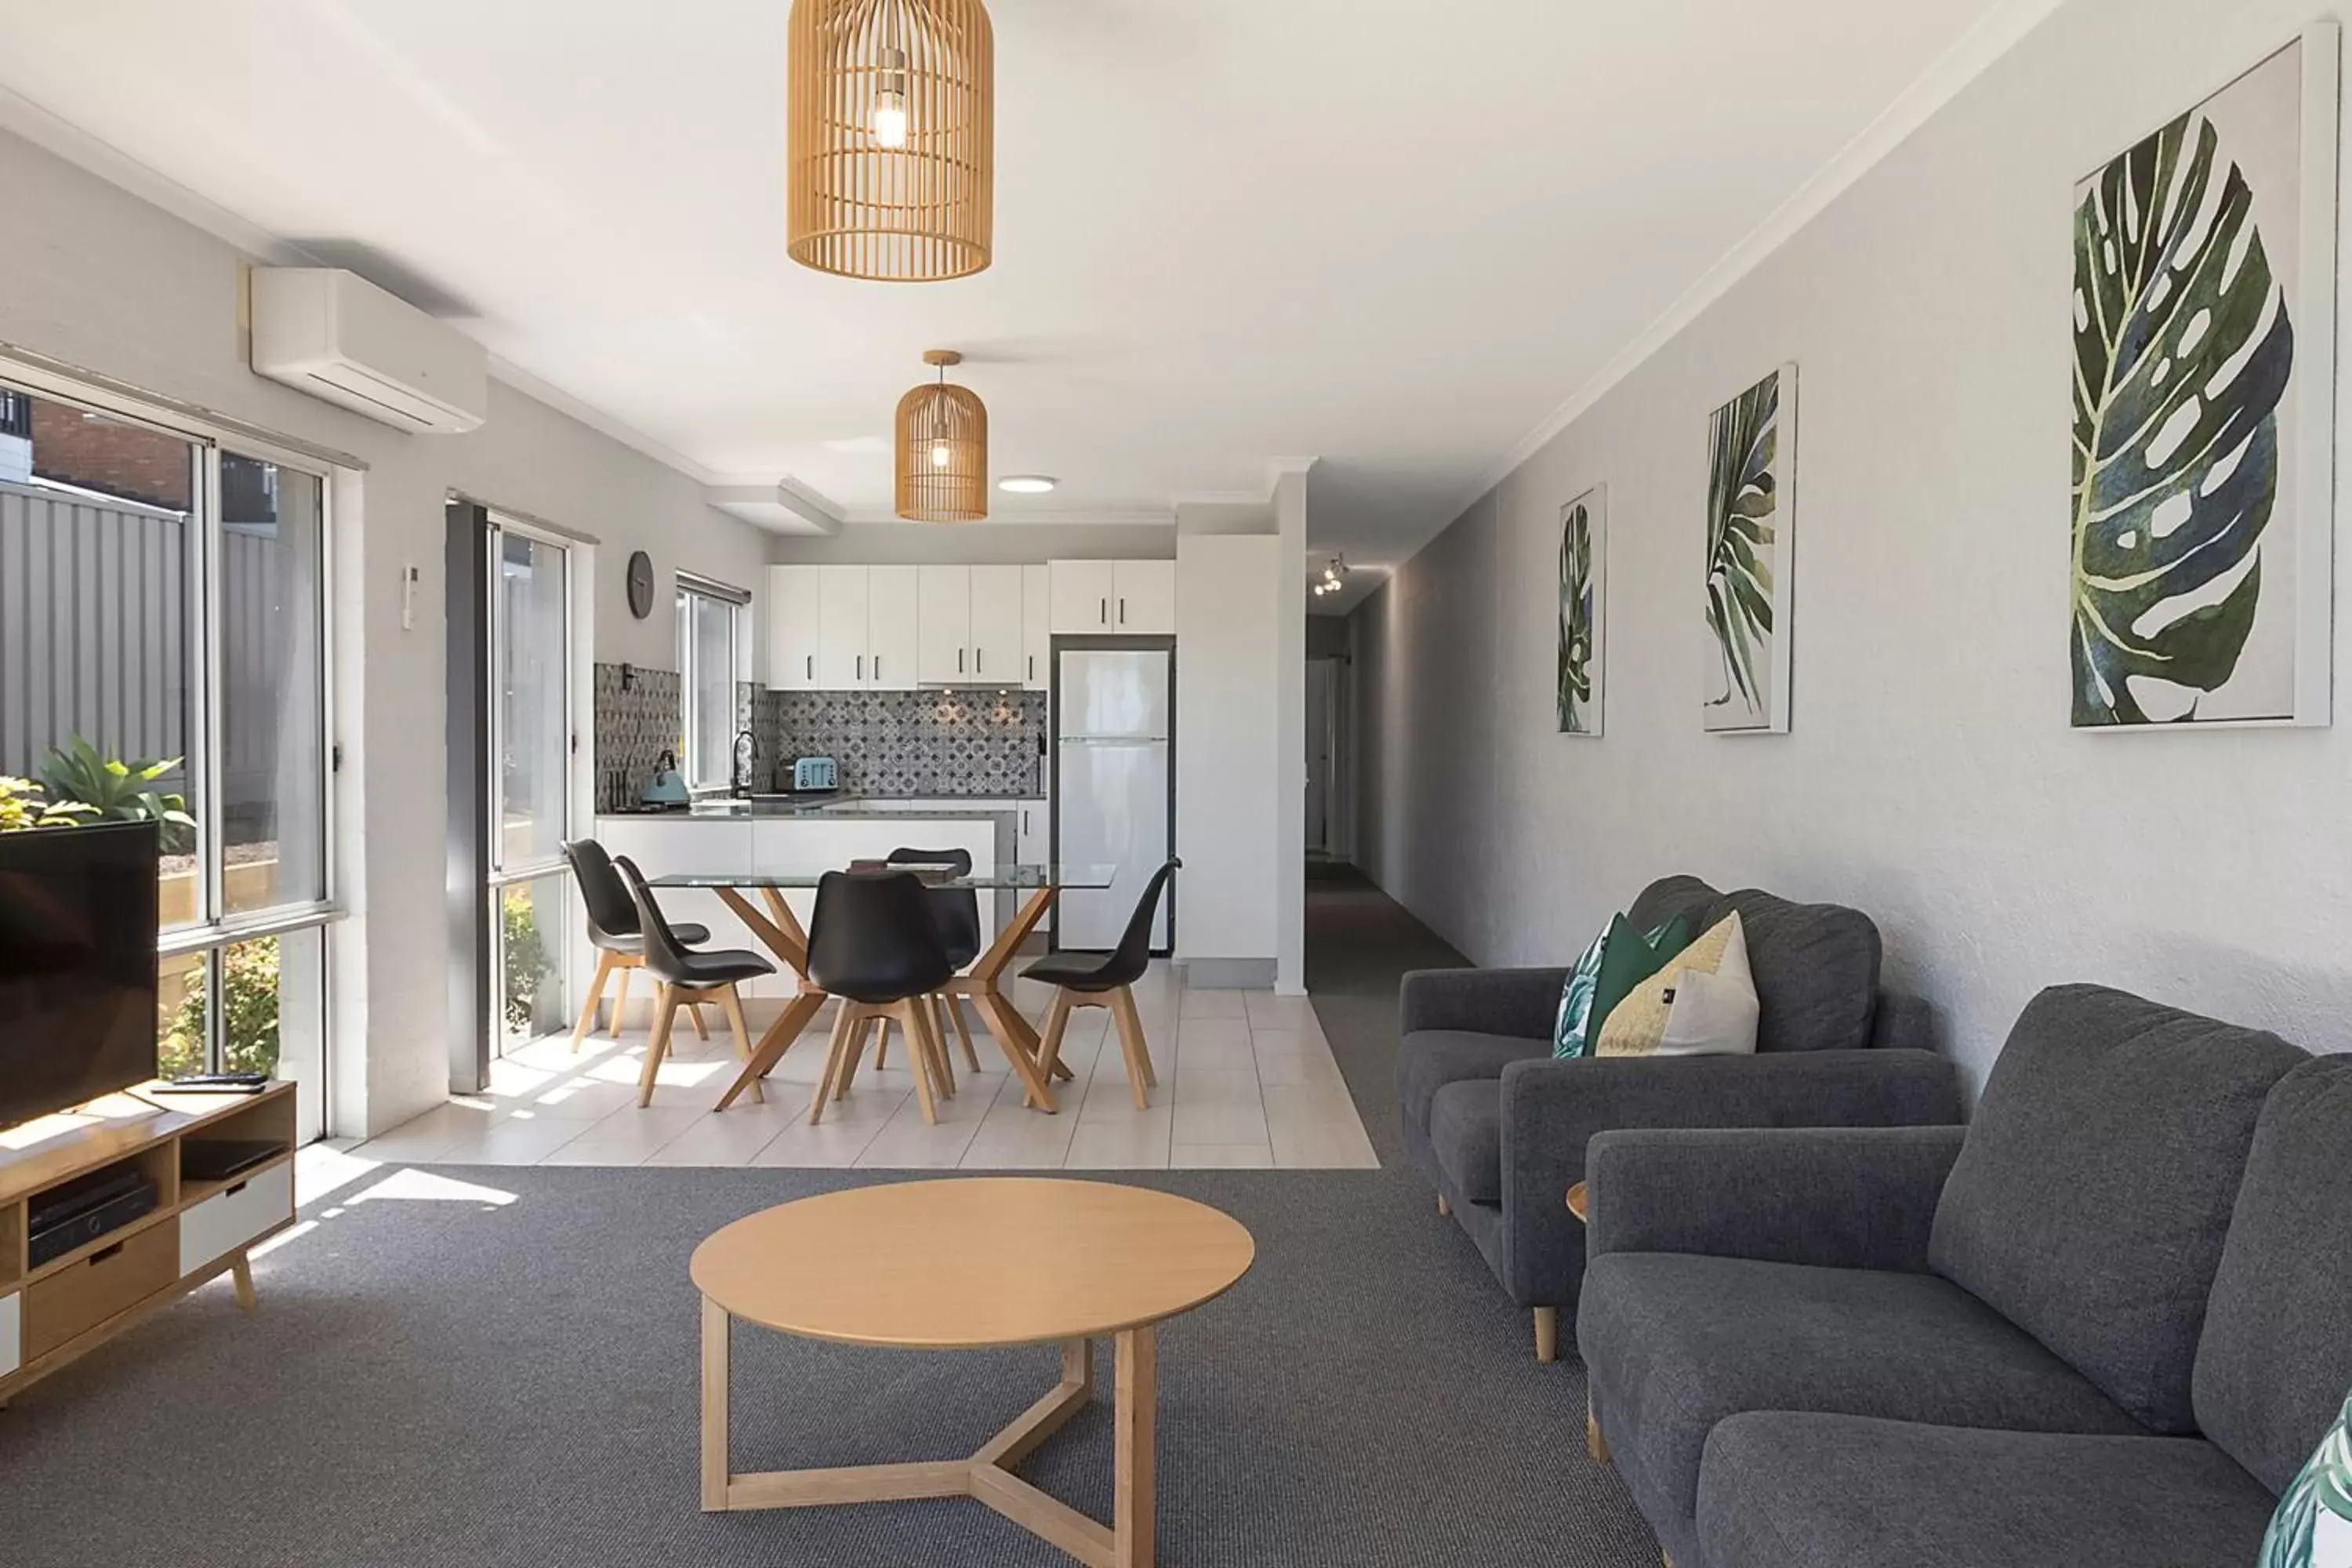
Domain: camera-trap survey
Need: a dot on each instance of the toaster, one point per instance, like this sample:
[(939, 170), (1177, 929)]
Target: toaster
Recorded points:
[(813, 773)]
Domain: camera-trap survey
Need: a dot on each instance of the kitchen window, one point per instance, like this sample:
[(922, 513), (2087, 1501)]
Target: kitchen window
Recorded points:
[(709, 669)]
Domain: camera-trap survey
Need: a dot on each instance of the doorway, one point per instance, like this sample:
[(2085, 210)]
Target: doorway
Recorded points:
[(1322, 758)]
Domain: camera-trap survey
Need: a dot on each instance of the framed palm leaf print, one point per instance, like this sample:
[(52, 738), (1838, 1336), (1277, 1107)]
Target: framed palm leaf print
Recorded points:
[(1584, 570), (1751, 454)]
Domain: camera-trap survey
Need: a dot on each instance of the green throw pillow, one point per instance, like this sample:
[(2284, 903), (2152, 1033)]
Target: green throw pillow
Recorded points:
[(1619, 959), (2313, 1526)]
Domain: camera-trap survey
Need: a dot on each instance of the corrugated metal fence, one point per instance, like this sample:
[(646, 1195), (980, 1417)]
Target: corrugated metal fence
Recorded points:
[(94, 617)]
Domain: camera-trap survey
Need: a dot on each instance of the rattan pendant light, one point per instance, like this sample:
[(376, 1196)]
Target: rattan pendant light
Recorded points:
[(892, 144), (942, 449)]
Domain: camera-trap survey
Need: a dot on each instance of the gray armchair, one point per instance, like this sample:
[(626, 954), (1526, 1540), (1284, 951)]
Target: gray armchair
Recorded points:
[(1500, 1128)]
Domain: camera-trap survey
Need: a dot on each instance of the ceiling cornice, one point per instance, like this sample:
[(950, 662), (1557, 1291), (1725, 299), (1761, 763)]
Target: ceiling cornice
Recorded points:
[(1994, 35)]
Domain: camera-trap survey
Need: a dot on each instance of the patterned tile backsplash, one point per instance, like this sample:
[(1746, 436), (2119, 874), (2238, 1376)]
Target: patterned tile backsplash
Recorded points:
[(633, 728), (912, 744)]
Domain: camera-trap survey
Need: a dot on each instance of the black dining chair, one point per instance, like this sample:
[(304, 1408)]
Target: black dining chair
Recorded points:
[(957, 911), (614, 932), (874, 942), (1106, 980), (685, 974)]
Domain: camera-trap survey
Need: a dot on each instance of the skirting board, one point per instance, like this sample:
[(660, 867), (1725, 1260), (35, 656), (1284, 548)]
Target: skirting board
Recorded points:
[(1229, 974)]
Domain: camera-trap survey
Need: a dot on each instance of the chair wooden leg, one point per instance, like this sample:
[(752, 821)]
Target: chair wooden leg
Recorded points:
[(935, 1030), (1057, 1024), (953, 1008), (1547, 1334), (882, 1047), (657, 1045), (621, 1001), (595, 996), (1443, 1208), (701, 1029), (1594, 1443), (909, 1015), (1140, 1076), (873, 1024), (844, 1028), (731, 1002)]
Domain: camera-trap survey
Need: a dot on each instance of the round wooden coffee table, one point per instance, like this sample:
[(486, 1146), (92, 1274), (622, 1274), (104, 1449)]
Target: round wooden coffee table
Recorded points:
[(973, 1264)]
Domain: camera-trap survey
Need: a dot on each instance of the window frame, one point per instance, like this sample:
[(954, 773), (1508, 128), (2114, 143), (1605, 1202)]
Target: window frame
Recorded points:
[(691, 589)]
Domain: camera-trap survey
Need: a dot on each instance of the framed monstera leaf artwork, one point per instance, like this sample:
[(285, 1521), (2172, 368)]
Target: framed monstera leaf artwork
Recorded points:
[(1751, 458), (2204, 410), (1583, 567)]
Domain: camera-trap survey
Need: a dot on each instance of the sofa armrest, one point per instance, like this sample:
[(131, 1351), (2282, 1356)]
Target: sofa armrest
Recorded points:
[(1551, 1110), (1903, 1024), (1520, 1003), (1841, 1198)]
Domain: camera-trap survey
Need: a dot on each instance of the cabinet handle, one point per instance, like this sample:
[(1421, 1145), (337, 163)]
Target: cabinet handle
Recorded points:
[(877, 667), (959, 661), (977, 667), (861, 667), (1104, 618), (1122, 611), (1032, 667), (812, 667)]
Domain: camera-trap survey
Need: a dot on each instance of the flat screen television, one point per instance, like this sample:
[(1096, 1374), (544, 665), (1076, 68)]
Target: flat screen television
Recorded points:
[(78, 923)]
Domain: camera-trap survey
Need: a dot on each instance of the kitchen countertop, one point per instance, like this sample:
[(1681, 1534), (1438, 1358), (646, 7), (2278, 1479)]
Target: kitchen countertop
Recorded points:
[(765, 808)]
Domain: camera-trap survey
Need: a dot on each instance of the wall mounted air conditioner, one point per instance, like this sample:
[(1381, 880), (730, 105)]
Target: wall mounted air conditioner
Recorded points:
[(335, 336)]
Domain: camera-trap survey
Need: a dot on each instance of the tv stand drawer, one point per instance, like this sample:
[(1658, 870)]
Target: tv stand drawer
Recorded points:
[(227, 1220), (12, 1334), (81, 1297)]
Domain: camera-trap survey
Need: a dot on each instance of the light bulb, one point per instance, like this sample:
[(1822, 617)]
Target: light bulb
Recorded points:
[(940, 456), (889, 122)]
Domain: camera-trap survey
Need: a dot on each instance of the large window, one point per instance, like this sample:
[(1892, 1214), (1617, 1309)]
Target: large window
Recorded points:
[(709, 667), (163, 654), (532, 669)]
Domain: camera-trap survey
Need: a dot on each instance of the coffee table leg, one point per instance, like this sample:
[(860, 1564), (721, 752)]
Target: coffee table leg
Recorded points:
[(1134, 1483), (715, 1323)]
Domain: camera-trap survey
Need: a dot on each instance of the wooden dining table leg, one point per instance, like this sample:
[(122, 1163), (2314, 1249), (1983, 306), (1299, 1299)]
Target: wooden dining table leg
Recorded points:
[(779, 1038), (731, 1001)]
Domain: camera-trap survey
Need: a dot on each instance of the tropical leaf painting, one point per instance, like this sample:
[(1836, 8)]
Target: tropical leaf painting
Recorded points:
[(2184, 354), (1582, 535), (1747, 518)]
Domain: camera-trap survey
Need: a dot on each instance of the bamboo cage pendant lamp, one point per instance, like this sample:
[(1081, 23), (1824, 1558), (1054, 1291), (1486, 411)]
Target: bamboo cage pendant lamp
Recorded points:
[(891, 149), (942, 449)]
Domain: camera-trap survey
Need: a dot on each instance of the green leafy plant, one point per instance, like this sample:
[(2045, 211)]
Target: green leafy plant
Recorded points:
[(2182, 348), (117, 790), (1576, 621), (528, 964), (1744, 441), (22, 807), (249, 1030)]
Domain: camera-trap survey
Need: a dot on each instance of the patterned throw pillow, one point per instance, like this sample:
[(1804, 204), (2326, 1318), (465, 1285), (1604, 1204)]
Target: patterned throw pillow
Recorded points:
[(1701, 1002), (1619, 959), (2313, 1526)]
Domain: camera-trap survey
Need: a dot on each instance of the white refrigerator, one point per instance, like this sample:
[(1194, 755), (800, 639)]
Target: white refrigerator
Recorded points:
[(1113, 787)]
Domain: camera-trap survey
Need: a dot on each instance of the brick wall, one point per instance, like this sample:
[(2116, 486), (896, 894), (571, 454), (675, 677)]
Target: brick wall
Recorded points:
[(75, 448)]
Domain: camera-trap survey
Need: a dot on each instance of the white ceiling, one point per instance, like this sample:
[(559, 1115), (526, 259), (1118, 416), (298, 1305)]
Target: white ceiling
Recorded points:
[(1393, 235)]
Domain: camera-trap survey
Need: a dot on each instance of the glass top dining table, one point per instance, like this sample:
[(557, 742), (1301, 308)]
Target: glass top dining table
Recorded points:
[(1012, 878)]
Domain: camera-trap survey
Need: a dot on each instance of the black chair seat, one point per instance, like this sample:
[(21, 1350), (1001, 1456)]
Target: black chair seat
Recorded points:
[(634, 942), (728, 966), (1089, 972), (874, 939)]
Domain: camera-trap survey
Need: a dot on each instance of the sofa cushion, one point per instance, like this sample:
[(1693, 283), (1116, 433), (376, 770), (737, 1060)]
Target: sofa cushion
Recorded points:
[(1787, 1490), (2277, 1355), (1466, 1133), (1428, 1061), (1676, 1341), (2090, 1203), (1816, 969)]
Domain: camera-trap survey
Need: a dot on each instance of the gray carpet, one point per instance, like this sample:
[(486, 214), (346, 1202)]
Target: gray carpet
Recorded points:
[(437, 1382)]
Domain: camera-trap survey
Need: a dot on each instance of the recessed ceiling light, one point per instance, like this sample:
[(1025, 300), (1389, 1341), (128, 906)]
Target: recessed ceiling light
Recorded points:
[(1026, 484)]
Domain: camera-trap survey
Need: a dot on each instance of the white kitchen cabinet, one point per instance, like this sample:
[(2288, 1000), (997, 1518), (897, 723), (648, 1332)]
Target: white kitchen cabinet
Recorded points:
[(841, 631), (795, 612), (1143, 598), (1034, 833), (1036, 627), (996, 644), (945, 598), (1083, 591), (894, 627)]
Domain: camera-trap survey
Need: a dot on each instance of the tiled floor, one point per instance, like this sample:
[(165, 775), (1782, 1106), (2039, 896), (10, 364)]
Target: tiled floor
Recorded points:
[(1245, 1079)]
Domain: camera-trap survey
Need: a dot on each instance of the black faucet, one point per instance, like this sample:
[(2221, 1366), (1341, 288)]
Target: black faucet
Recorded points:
[(747, 747)]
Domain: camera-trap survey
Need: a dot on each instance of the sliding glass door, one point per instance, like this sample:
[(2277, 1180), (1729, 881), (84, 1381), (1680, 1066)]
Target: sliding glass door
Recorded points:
[(533, 674)]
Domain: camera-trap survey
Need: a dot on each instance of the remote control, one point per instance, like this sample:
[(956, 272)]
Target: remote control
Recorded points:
[(219, 1079)]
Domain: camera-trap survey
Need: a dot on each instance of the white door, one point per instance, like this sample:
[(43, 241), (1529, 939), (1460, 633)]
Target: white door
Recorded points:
[(1083, 591), (894, 626), (945, 594), (1321, 711), (996, 644), (795, 611), (1036, 627), (1143, 598), (841, 630)]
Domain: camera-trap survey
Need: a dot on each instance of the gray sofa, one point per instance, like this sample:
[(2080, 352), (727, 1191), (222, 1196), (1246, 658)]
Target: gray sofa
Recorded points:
[(2105, 1324), (1500, 1128)]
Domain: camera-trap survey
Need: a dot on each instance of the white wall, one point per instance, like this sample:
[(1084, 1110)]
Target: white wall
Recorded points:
[(1291, 500), (1931, 779), (1229, 614), (97, 277), (976, 544)]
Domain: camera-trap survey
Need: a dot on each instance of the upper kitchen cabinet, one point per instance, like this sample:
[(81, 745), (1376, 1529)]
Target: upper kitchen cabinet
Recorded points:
[(795, 612), (945, 601), (894, 627), (1036, 627), (1114, 598), (997, 643), (841, 628)]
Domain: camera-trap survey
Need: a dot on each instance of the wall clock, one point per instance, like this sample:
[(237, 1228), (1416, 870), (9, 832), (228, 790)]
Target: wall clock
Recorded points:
[(641, 584)]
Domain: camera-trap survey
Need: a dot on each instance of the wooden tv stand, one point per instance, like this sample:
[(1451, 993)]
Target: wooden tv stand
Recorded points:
[(61, 1309)]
